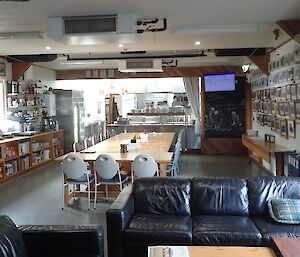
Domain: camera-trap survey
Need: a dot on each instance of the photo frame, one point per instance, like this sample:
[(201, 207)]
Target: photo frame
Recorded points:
[(277, 125), (283, 128), (288, 92), (272, 122), (293, 92), (286, 107), (298, 91), (292, 110), (297, 111), (2, 69), (291, 128)]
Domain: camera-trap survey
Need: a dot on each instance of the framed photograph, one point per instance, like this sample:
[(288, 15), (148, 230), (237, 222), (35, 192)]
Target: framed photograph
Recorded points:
[(288, 92), (283, 128), (297, 110), (2, 69), (283, 93), (269, 121), (281, 109), (278, 94), (277, 125), (293, 92), (292, 110), (272, 122), (286, 109), (291, 128), (298, 91)]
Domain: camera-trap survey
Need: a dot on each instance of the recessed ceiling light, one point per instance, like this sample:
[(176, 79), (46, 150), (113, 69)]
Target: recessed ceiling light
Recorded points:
[(48, 47), (11, 37), (197, 43), (120, 45)]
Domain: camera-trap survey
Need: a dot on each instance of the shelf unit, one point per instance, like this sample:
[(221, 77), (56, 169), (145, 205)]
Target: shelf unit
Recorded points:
[(164, 117), (19, 155)]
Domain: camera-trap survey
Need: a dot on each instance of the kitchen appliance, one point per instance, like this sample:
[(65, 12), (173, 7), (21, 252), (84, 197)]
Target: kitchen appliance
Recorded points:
[(70, 115)]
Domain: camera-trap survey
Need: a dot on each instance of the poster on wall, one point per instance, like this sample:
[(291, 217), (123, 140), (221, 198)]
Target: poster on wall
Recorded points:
[(225, 112)]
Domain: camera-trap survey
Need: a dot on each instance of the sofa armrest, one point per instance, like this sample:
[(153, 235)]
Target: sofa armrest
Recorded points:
[(117, 218), (63, 240)]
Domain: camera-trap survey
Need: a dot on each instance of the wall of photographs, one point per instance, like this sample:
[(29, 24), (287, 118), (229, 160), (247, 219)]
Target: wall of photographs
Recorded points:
[(276, 98)]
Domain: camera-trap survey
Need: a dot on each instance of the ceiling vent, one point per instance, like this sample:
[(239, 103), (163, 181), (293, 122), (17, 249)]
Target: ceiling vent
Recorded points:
[(14, 0), (147, 65), (240, 52), (97, 29), (32, 58)]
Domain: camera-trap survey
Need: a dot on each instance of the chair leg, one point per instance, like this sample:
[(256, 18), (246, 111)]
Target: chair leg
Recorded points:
[(106, 192), (63, 195), (74, 192), (89, 196), (95, 200)]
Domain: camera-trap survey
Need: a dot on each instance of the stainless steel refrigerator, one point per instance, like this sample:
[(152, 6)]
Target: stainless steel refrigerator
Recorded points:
[(70, 115)]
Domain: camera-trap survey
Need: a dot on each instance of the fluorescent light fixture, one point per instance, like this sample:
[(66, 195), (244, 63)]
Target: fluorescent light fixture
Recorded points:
[(82, 63), (207, 29), (48, 47), (21, 35), (197, 43), (120, 45)]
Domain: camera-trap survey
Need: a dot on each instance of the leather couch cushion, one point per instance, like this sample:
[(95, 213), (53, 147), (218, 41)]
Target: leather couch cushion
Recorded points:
[(151, 229), (261, 189), (269, 228), (11, 239), (158, 195), (219, 196), (225, 230)]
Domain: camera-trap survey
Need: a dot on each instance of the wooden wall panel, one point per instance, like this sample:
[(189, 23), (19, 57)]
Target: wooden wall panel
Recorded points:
[(222, 146), (248, 107), (168, 72)]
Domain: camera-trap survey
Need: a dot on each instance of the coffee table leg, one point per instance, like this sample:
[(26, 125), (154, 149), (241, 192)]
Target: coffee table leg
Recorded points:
[(279, 164)]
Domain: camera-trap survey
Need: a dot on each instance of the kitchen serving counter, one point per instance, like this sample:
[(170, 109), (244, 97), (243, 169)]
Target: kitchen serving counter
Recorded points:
[(21, 154)]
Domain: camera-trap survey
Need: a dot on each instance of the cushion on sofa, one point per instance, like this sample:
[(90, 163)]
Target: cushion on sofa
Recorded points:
[(152, 229), (221, 196), (225, 230), (261, 189), (11, 239), (161, 195), (285, 210), (269, 227)]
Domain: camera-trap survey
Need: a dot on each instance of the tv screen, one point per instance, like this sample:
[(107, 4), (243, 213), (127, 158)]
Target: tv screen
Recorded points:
[(219, 82)]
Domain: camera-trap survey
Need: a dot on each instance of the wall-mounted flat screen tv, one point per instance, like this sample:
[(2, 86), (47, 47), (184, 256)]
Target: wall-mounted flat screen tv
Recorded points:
[(219, 82)]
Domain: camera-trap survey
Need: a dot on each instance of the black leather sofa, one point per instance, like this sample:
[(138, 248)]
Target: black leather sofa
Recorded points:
[(50, 241), (199, 211)]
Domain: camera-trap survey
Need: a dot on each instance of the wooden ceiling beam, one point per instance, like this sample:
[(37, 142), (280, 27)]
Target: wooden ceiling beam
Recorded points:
[(262, 62), (291, 27), (18, 69)]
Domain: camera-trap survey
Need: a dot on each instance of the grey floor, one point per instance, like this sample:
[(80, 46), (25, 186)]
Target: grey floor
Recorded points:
[(36, 198)]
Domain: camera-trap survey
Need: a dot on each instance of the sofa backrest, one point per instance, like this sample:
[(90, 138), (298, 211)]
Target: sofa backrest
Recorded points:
[(219, 196), (11, 239), (261, 189), (162, 195)]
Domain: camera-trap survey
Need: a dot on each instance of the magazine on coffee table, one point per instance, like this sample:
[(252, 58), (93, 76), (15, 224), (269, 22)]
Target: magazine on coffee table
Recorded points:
[(168, 251)]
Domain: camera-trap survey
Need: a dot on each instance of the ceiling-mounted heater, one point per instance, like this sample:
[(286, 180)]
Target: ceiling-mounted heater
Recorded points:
[(96, 29), (140, 65)]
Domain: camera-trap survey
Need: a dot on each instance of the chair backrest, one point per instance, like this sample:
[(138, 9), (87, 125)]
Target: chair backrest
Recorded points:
[(89, 142), (73, 167), (144, 166), (113, 133), (77, 147), (105, 166)]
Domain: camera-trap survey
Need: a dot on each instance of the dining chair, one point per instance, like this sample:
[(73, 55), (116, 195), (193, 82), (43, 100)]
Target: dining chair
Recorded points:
[(75, 172), (173, 168), (144, 166), (88, 142), (108, 172), (77, 147)]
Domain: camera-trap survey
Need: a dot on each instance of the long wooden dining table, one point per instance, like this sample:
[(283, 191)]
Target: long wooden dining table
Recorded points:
[(157, 145)]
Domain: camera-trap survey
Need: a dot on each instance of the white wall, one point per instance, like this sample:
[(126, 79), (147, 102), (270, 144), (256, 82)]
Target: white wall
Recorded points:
[(46, 76), (291, 143)]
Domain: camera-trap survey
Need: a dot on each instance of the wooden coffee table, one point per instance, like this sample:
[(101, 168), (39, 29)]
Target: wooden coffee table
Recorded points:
[(287, 246), (230, 251), (227, 251)]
